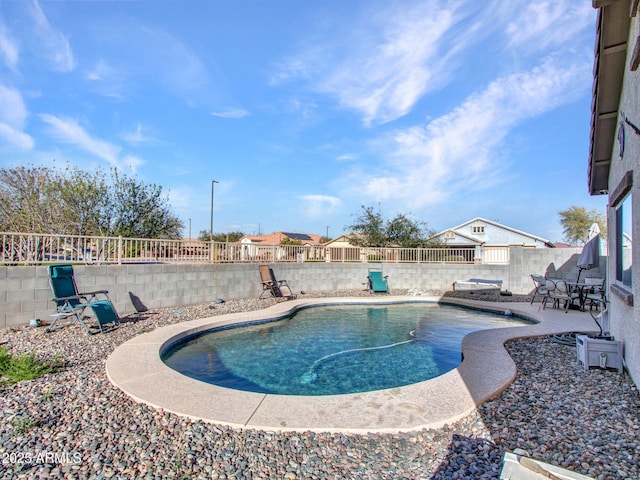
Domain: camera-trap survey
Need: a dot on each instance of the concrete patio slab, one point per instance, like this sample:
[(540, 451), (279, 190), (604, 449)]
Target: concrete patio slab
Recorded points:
[(137, 369)]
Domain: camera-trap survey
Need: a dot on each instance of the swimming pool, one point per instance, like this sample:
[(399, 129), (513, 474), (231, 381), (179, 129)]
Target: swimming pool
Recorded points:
[(336, 349), (136, 368)]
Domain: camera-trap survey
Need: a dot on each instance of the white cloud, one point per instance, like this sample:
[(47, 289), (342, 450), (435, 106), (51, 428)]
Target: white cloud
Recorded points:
[(150, 56), (106, 80), (179, 67), (15, 137), (133, 162), (12, 107), (385, 80), (138, 136), (51, 43), (8, 48), (69, 131), (231, 113), (346, 157), (545, 23), (181, 198), (384, 67), (98, 72), (317, 206), (292, 68), (459, 151), (393, 56), (13, 115)]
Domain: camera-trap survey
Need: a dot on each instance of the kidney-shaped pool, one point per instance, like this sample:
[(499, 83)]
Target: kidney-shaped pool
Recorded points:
[(329, 350)]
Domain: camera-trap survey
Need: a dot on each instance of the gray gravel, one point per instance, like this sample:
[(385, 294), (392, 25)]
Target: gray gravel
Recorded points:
[(74, 424)]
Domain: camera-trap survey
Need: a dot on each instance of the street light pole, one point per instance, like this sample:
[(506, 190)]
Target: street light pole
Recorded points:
[(213, 182), (189, 229)]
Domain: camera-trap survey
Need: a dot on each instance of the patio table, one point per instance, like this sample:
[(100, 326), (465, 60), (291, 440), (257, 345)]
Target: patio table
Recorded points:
[(580, 288)]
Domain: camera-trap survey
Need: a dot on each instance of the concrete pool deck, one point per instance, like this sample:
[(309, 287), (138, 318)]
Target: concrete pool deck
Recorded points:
[(136, 368)]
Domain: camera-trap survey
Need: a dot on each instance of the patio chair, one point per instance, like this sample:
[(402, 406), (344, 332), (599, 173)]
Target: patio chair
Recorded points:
[(70, 303), (558, 291), (277, 288), (265, 279), (595, 292), (377, 283), (540, 284)]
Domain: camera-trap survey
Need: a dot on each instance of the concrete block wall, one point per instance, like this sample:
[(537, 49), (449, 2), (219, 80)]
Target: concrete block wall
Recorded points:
[(25, 291)]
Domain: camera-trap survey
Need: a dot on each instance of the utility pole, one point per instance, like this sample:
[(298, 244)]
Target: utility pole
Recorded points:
[(213, 182)]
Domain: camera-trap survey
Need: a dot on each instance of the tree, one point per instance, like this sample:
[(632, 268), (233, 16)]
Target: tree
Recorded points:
[(71, 201), (139, 210), (26, 203), (83, 202), (372, 230), (369, 227), (576, 222), (290, 241), (220, 237), (404, 232)]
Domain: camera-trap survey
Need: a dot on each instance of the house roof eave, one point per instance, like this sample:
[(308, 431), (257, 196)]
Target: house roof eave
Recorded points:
[(612, 31)]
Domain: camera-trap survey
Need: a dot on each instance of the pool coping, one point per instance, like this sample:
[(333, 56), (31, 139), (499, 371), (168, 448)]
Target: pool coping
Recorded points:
[(135, 368)]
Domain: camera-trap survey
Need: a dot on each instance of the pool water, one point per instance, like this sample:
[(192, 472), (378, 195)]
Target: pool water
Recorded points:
[(333, 350)]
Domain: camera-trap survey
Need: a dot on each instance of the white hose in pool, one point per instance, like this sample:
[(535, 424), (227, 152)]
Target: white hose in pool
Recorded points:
[(311, 376)]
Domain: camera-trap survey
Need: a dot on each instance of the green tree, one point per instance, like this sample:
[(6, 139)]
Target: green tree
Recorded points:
[(220, 237), (71, 201), (404, 232), (83, 202), (576, 222), (372, 230), (140, 210), (26, 203), (369, 229), (290, 241)]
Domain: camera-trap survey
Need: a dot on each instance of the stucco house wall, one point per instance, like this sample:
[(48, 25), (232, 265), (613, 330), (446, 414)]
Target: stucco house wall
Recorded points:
[(617, 160), (625, 318)]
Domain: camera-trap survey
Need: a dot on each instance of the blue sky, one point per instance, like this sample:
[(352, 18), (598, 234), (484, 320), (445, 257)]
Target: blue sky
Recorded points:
[(305, 110)]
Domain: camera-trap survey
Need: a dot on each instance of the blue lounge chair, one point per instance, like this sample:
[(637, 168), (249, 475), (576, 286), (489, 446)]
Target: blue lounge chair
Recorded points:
[(377, 283), (70, 303)]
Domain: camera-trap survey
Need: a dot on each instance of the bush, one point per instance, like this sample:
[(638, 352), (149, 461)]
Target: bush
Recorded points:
[(24, 367)]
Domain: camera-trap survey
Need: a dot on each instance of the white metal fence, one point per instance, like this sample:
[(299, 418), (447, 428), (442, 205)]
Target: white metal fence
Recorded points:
[(33, 249)]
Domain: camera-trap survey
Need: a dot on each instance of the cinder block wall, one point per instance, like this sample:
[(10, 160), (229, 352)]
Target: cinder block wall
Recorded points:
[(25, 291)]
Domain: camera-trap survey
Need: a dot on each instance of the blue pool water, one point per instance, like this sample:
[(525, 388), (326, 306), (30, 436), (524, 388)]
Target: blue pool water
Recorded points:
[(332, 350)]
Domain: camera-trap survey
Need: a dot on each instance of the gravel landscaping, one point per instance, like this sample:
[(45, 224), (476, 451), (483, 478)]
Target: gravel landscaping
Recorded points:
[(74, 424)]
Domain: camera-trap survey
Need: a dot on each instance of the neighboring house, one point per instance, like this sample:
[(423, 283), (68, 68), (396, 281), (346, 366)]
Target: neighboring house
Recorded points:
[(342, 241), (341, 249), (480, 231), (614, 163), (276, 238), (262, 246)]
